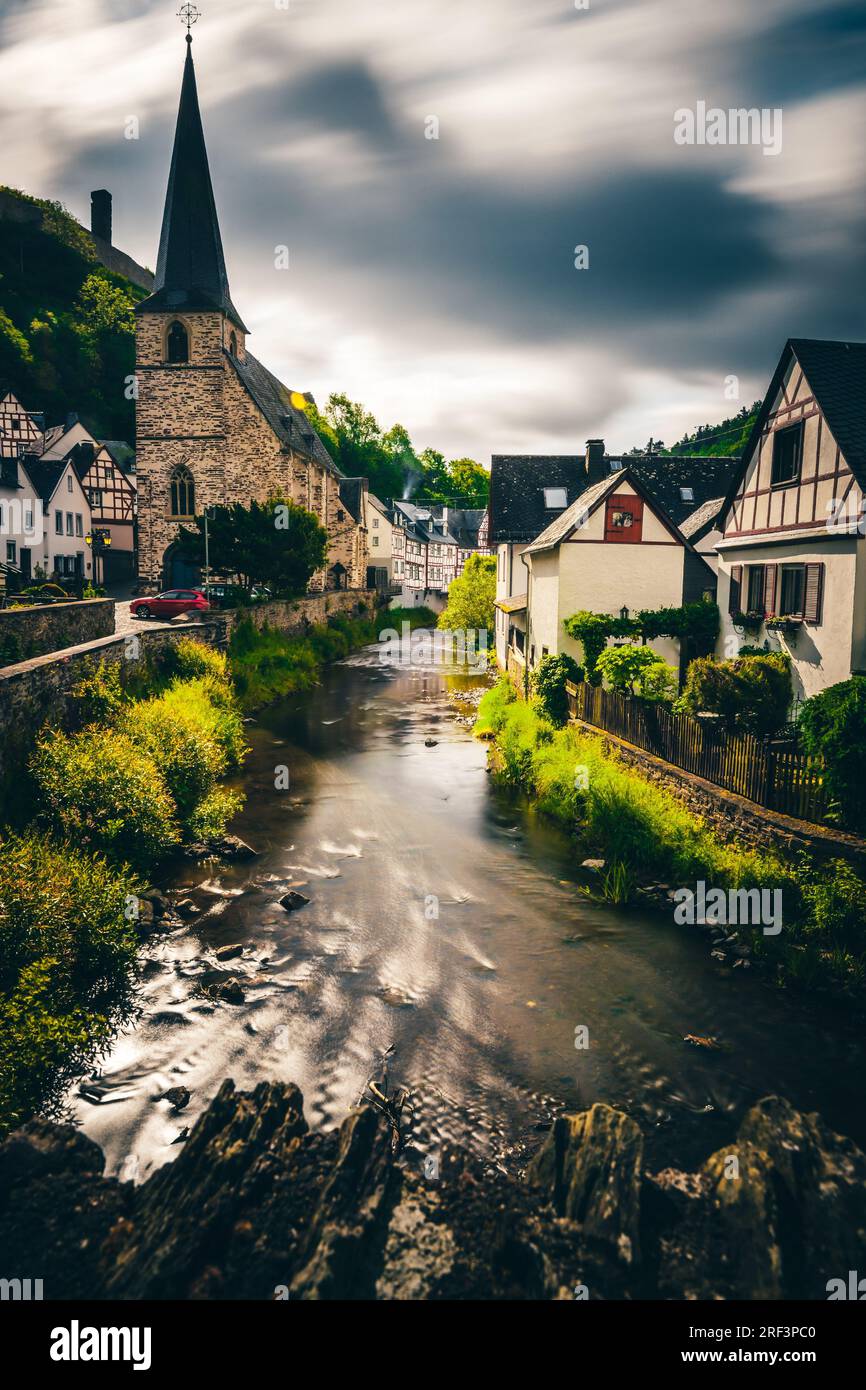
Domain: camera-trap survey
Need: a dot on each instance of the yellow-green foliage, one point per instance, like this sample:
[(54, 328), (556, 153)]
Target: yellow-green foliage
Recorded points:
[(188, 659), (211, 707), (67, 948), (189, 759), (104, 792)]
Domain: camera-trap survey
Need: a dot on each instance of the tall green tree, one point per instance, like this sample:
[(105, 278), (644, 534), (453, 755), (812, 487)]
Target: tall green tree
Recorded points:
[(275, 543), (470, 597)]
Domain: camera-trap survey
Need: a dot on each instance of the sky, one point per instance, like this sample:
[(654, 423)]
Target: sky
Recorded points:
[(435, 279)]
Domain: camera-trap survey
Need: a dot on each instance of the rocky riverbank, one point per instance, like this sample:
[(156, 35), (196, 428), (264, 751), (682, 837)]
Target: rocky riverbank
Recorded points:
[(256, 1206)]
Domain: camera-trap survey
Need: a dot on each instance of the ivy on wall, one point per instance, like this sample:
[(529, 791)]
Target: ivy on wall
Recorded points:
[(696, 624)]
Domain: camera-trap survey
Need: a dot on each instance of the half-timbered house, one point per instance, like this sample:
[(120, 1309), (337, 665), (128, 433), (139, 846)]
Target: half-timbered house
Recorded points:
[(792, 572)]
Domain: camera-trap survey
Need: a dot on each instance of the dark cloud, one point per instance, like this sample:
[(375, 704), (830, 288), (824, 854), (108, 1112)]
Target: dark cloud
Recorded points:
[(805, 54)]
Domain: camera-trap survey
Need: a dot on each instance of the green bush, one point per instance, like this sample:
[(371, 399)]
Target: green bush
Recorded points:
[(637, 670), (188, 659), (103, 791), (189, 759), (751, 693), (833, 724), (548, 683), (212, 707), (212, 814), (99, 696), (67, 954)]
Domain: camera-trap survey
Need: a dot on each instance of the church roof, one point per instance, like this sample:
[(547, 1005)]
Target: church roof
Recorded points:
[(190, 270), (274, 400)]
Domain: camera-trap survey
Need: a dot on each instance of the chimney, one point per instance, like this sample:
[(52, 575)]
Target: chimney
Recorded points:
[(100, 214), (594, 455)]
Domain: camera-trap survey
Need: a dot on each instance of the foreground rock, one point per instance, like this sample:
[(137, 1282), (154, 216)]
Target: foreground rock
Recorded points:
[(254, 1204)]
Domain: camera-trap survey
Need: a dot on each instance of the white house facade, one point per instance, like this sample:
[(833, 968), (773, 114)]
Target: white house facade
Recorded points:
[(792, 567)]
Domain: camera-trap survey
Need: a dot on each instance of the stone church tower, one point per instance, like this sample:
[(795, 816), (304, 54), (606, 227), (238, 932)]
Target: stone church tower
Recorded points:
[(213, 425)]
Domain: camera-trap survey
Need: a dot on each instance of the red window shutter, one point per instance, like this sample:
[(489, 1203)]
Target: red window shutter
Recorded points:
[(734, 600), (814, 593), (770, 590), (624, 504)]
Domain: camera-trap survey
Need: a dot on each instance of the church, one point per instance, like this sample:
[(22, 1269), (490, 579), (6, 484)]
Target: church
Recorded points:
[(213, 425)]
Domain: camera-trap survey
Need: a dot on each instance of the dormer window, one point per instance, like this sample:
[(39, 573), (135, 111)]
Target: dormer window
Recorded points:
[(177, 343), (555, 498)]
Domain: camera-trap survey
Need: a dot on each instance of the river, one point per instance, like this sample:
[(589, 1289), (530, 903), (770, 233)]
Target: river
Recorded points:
[(445, 923)]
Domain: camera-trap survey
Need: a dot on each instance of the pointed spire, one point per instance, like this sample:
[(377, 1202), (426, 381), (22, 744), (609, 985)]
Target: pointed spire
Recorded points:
[(190, 269)]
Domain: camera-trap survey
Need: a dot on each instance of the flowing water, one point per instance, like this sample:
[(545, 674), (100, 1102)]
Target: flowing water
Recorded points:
[(476, 1007)]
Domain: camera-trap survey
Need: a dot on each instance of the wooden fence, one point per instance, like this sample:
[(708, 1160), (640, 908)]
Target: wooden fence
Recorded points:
[(776, 775)]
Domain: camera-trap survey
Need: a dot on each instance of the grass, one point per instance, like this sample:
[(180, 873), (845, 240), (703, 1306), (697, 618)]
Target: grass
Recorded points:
[(645, 833)]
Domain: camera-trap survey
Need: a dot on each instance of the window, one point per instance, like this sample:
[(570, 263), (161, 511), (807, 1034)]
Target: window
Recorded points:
[(69, 482), (177, 343), (233, 345), (687, 494), (624, 519), (70, 524), (787, 450), (792, 591), (58, 523), (79, 529), (375, 521), (755, 589), (555, 498), (182, 492), (375, 540), (28, 519), (96, 498), (10, 552), (339, 514)]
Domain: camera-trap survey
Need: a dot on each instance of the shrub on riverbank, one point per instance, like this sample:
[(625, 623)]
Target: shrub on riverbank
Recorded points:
[(100, 789), (645, 833), (145, 776), (67, 950)]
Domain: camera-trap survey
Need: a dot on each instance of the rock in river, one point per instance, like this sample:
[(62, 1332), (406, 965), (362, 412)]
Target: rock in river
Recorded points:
[(291, 901)]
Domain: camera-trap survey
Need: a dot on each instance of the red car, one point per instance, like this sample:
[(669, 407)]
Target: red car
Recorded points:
[(169, 604)]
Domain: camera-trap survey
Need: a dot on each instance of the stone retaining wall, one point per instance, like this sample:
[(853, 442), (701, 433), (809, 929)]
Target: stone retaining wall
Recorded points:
[(732, 818), (38, 692), (51, 627)]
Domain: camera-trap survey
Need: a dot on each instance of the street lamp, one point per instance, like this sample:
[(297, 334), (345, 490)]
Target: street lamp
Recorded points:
[(623, 612)]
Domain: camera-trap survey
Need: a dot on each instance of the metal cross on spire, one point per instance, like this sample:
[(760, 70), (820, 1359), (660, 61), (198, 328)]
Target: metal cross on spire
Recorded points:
[(188, 14)]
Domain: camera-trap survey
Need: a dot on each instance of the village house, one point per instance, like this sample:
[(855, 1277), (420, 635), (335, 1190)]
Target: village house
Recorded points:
[(106, 470), (530, 492), (431, 543), (613, 550), (21, 518), (213, 425), (792, 564), (64, 554), (380, 529)]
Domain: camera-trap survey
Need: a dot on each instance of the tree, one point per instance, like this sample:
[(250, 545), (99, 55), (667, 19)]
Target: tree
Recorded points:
[(548, 683), (275, 543), (470, 483), (749, 692), (633, 669), (471, 596), (832, 724)]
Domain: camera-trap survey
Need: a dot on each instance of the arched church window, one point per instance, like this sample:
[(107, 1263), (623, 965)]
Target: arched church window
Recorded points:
[(182, 492), (178, 343), (233, 345)]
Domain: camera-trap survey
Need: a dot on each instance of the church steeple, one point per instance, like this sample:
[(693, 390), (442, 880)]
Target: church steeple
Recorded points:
[(191, 270)]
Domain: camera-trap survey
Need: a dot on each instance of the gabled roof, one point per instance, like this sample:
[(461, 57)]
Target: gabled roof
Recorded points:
[(45, 474), (379, 505), (517, 484), (702, 520), (190, 269), (836, 373), (573, 516), (289, 423), (464, 524), (588, 502), (122, 453)]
